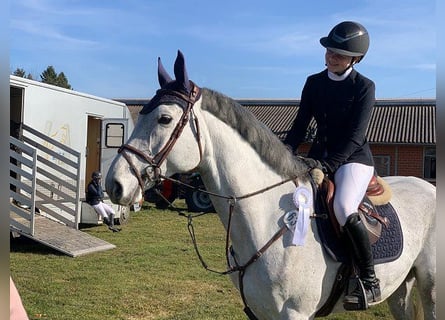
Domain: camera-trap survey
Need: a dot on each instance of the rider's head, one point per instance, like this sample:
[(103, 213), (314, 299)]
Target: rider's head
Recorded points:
[(96, 175), (348, 40)]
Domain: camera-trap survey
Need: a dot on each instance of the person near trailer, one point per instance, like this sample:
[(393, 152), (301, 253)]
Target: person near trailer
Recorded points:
[(95, 197), (341, 100)]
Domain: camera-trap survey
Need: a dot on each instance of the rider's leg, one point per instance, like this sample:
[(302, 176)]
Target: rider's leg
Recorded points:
[(361, 249), (351, 183), (103, 213), (111, 214)]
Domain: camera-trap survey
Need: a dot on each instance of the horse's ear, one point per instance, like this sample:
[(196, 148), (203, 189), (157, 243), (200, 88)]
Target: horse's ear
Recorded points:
[(163, 76), (182, 78)]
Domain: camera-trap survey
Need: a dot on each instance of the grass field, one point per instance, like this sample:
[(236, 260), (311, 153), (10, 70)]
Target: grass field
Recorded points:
[(153, 273)]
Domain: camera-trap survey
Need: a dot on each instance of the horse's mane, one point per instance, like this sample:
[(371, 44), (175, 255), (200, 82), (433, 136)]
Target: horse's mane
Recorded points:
[(257, 134)]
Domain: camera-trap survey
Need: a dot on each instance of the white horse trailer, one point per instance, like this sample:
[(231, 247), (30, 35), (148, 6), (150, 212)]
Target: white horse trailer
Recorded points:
[(74, 134)]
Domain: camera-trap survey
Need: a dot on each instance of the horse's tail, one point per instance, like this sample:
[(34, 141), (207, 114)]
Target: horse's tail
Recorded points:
[(406, 301)]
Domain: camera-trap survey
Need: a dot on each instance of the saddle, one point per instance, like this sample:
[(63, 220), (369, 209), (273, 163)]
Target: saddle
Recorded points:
[(377, 193)]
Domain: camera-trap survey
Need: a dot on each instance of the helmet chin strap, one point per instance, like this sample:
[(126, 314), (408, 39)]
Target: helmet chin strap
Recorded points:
[(341, 73), (350, 65)]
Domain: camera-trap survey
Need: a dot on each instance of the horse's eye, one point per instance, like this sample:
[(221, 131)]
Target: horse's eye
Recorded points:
[(164, 119)]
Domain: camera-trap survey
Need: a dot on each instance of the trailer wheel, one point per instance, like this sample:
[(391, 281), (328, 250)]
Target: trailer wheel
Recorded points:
[(198, 201), (124, 217)]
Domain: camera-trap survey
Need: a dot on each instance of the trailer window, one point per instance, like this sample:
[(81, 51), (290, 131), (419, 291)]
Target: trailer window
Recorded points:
[(114, 135)]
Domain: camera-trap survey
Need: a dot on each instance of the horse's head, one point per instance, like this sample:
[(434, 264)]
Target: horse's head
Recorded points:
[(164, 141)]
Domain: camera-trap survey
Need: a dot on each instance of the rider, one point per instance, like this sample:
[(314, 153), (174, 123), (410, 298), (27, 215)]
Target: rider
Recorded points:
[(341, 101), (95, 197)]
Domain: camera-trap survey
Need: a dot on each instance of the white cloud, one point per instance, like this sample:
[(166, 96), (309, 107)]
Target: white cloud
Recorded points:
[(49, 32)]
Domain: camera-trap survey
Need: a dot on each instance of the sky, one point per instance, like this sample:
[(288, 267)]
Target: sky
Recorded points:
[(244, 49)]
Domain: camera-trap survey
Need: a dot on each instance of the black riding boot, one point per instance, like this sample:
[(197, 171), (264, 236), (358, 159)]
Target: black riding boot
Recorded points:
[(361, 248), (111, 224), (106, 221), (111, 218)]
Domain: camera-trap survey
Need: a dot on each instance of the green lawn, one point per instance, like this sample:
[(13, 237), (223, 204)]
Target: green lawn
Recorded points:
[(153, 273)]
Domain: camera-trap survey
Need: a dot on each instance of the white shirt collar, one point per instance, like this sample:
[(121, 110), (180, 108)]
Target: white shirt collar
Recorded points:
[(337, 77)]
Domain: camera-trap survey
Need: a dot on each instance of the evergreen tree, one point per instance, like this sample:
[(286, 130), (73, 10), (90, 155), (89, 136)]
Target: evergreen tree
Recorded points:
[(49, 76), (19, 72), (62, 81)]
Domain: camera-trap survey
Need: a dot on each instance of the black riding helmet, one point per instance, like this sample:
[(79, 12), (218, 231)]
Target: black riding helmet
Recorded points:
[(347, 38), (96, 175)]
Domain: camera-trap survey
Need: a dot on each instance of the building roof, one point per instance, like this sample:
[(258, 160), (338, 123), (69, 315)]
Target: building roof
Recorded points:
[(394, 121), (415, 123)]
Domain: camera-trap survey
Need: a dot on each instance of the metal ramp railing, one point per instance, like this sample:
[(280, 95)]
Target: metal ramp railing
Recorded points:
[(45, 177), (22, 181)]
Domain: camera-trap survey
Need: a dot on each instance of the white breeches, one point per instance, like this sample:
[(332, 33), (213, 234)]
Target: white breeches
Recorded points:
[(351, 182), (103, 209)]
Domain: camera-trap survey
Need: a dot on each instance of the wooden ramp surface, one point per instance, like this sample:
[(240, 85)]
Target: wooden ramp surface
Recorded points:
[(65, 239)]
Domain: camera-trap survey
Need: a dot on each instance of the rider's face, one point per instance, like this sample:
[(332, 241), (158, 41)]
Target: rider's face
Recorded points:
[(337, 63)]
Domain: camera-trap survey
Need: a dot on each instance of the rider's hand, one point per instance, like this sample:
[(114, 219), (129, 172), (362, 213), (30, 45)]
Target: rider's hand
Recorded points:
[(318, 169), (317, 175)]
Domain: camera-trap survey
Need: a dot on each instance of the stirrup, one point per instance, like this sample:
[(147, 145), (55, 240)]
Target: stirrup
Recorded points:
[(356, 299)]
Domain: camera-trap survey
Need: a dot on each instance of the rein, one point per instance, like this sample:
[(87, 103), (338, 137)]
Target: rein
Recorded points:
[(232, 202)]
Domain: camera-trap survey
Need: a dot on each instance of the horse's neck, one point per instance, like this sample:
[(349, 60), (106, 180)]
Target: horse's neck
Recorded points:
[(235, 167)]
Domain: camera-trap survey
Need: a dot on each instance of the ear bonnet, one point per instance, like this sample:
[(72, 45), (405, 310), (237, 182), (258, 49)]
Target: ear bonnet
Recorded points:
[(172, 91)]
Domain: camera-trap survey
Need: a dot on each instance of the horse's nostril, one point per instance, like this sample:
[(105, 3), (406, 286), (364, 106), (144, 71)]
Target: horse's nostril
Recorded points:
[(117, 190), (114, 190)]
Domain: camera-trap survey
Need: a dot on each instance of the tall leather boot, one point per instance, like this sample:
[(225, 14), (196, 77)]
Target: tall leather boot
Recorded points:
[(361, 248), (111, 218), (111, 224), (106, 221)]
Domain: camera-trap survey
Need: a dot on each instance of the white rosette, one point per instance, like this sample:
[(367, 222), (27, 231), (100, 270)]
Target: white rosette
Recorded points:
[(303, 201)]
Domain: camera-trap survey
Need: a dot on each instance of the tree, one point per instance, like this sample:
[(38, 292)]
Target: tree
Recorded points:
[(62, 81), (50, 76), (19, 72)]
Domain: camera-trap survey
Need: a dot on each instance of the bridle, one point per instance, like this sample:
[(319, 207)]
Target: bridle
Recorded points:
[(155, 162)]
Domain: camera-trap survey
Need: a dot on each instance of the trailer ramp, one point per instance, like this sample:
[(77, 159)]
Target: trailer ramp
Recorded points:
[(41, 211), (67, 240)]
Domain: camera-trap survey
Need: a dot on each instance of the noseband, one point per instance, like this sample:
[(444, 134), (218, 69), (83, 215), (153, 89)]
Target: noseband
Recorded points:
[(156, 160)]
